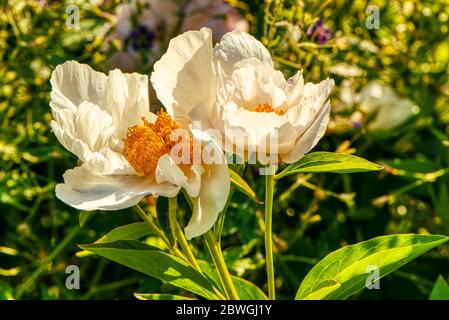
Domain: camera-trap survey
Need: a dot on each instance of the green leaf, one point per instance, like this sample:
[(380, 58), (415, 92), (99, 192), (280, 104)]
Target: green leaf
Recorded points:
[(132, 231), (160, 296), (345, 271), (243, 186), (163, 218), (317, 162), (6, 291), (155, 263), (248, 290), (440, 290), (245, 289), (84, 217)]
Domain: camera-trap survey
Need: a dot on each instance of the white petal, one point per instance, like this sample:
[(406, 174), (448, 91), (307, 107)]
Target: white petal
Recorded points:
[(184, 77), (73, 83), (252, 83), (168, 171), (93, 126), (312, 100), (236, 46), (85, 190), (127, 100), (294, 89), (253, 131), (87, 133), (310, 137), (215, 186)]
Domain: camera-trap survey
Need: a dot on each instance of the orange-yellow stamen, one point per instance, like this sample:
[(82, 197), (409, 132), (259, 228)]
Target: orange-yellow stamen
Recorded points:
[(144, 144), (266, 107)]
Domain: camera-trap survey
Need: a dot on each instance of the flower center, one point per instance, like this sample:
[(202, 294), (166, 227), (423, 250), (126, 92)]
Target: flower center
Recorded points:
[(266, 107), (145, 143)]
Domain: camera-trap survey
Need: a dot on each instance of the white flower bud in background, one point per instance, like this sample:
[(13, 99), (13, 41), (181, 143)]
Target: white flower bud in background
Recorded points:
[(390, 110)]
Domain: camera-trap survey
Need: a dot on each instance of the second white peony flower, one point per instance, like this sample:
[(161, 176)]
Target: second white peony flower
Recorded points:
[(233, 88)]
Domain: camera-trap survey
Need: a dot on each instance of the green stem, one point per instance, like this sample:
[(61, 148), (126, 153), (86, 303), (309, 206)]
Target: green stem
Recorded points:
[(158, 231), (179, 235), (269, 190), (172, 213), (151, 223), (186, 248), (220, 264)]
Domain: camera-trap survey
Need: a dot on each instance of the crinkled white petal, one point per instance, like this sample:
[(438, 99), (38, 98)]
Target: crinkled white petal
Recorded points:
[(85, 190), (127, 100), (213, 143), (215, 186), (92, 113), (312, 100), (87, 133), (93, 126), (236, 46), (168, 171), (73, 83), (265, 132), (294, 89), (310, 137), (184, 77), (252, 83)]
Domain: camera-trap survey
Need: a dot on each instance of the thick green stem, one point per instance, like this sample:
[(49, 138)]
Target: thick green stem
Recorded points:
[(269, 190), (220, 264), (178, 234)]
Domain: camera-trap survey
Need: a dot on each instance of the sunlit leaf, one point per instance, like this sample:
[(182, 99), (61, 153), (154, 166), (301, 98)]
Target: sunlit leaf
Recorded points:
[(160, 296), (346, 271), (132, 231), (440, 290), (241, 185), (317, 162), (148, 260)]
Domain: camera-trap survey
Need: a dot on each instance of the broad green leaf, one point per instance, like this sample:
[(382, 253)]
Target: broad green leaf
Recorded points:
[(248, 290), (318, 294), (245, 289), (84, 217), (160, 296), (163, 218), (345, 271), (243, 186), (146, 259), (132, 231), (440, 290), (317, 162)]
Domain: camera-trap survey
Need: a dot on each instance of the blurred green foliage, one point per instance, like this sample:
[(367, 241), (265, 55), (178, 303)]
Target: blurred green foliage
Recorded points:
[(314, 214)]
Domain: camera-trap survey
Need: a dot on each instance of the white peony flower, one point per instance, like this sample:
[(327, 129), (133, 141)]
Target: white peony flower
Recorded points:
[(99, 119), (233, 87)]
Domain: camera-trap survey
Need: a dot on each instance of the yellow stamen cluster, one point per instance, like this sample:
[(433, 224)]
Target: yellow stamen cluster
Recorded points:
[(266, 107), (144, 144)]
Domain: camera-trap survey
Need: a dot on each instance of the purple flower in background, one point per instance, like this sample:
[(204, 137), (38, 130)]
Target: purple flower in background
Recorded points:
[(142, 38), (319, 32)]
